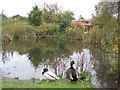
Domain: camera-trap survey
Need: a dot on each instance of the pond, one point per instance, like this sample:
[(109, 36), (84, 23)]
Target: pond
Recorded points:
[(25, 59)]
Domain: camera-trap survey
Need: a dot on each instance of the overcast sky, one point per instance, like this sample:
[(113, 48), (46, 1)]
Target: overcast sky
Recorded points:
[(22, 7)]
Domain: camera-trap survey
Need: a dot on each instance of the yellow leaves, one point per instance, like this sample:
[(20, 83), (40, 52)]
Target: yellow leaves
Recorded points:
[(115, 49), (32, 14), (25, 23), (36, 17)]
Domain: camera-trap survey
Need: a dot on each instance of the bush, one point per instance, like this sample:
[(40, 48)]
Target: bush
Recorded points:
[(84, 75), (17, 29), (49, 28), (75, 33), (52, 28), (100, 36)]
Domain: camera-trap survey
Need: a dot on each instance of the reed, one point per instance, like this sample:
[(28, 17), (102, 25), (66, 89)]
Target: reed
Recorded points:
[(16, 29), (75, 33)]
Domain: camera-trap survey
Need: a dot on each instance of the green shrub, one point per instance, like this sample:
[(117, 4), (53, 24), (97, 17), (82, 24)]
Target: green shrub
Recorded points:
[(95, 36), (17, 29), (75, 33), (84, 75), (52, 28), (35, 16), (48, 28), (101, 36)]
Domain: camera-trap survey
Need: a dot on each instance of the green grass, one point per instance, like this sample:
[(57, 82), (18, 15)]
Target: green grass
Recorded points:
[(42, 84)]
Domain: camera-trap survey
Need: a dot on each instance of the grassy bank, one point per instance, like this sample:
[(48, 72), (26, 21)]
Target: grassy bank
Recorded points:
[(42, 84)]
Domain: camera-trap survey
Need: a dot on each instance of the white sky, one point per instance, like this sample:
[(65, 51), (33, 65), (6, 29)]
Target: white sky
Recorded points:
[(23, 7)]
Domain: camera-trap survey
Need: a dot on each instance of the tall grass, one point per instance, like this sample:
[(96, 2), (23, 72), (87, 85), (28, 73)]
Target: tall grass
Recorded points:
[(17, 29), (75, 33), (101, 36), (107, 34), (94, 36)]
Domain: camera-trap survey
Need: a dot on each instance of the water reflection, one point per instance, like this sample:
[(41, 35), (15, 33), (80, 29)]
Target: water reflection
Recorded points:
[(26, 59), (23, 67)]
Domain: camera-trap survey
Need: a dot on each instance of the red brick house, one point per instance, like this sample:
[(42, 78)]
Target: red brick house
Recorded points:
[(81, 22)]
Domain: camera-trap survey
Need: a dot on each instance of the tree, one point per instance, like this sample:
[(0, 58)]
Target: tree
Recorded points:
[(52, 13), (3, 16), (80, 17), (67, 17), (105, 14), (35, 16)]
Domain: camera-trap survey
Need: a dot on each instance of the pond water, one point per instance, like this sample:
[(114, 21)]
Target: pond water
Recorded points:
[(26, 59)]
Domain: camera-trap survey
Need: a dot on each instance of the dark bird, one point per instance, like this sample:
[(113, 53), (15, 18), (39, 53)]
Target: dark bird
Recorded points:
[(71, 73)]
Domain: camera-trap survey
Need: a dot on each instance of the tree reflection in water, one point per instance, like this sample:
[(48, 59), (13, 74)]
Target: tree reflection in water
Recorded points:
[(56, 55)]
